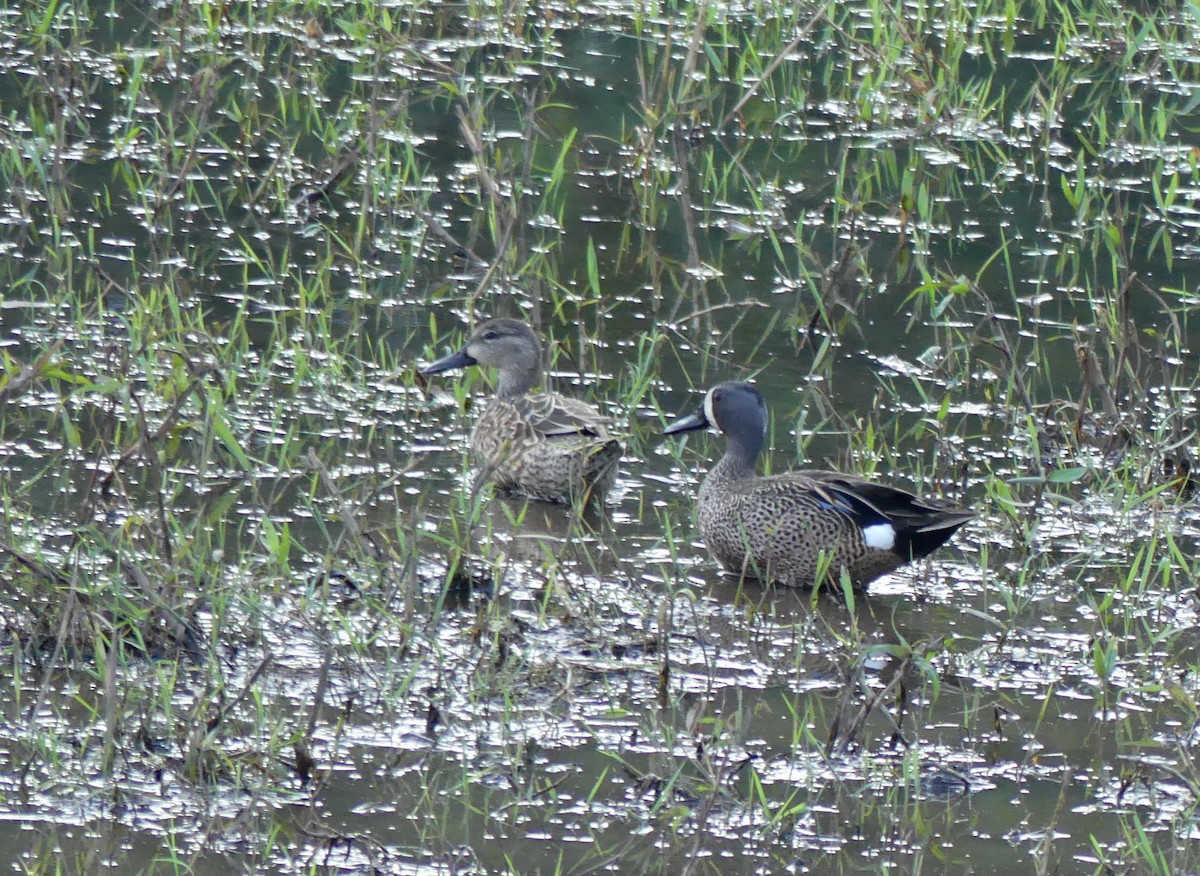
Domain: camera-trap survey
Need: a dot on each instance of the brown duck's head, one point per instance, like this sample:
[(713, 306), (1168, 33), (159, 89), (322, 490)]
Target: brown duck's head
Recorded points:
[(507, 344)]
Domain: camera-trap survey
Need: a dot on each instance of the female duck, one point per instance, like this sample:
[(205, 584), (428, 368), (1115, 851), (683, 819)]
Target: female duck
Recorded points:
[(539, 444), (799, 527)]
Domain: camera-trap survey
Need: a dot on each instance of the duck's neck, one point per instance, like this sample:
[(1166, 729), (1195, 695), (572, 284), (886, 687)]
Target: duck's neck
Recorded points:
[(517, 378), (738, 462)]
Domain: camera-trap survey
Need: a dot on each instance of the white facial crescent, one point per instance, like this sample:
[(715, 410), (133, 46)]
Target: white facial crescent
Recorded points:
[(708, 409)]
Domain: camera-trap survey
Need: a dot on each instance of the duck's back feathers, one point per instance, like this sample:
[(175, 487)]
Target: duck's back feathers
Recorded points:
[(546, 447), (554, 415), (921, 525)]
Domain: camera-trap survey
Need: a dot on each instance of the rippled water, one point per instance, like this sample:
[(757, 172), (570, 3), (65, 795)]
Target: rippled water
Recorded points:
[(248, 223)]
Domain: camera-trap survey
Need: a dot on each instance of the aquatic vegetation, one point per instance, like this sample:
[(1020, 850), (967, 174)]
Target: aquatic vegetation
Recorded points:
[(255, 620)]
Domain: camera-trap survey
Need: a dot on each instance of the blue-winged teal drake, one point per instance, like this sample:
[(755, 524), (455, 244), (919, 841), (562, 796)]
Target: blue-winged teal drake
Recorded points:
[(539, 444), (788, 528)]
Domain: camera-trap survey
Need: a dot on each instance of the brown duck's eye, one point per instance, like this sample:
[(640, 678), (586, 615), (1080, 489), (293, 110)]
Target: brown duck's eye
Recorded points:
[(491, 335)]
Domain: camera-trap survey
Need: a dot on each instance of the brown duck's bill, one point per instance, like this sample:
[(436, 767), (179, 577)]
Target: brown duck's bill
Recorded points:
[(448, 363), (690, 423)]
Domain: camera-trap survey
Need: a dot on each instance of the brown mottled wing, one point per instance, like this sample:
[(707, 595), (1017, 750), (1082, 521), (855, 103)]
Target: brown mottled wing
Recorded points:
[(554, 415)]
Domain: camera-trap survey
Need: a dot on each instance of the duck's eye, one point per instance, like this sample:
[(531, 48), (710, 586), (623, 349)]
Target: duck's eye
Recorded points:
[(491, 335)]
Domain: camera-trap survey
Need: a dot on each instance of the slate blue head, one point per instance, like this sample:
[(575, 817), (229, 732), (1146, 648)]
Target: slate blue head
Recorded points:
[(507, 344), (738, 412)]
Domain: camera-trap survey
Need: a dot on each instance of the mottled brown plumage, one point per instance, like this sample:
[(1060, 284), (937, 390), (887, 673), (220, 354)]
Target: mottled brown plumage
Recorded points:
[(539, 444), (803, 528)]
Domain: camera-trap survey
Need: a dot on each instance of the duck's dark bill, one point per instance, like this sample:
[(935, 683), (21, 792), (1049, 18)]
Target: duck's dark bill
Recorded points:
[(454, 360), (690, 423)]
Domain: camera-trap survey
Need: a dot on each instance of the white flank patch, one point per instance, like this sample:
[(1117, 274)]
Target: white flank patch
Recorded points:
[(880, 536), (708, 409)]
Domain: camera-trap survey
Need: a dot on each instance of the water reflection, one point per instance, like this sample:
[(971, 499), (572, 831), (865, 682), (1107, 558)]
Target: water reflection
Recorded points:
[(230, 232)]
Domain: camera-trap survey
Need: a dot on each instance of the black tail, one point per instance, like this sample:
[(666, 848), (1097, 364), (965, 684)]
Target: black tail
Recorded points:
[(917, 542)]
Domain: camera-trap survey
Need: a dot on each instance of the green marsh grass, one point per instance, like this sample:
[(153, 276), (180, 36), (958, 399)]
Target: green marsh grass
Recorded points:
[(251, 593)]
